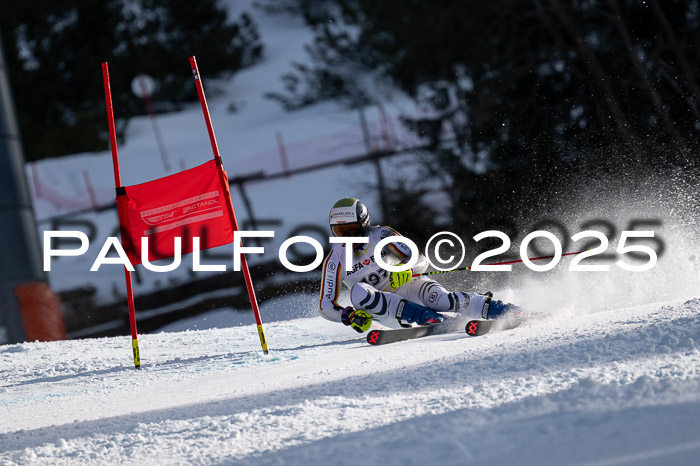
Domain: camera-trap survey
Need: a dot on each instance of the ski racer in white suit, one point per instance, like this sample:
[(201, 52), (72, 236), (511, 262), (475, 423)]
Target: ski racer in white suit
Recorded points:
[(393, 299)]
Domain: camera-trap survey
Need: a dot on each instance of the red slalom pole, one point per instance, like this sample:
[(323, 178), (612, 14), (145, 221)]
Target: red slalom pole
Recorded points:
[(493, 263), (232, 214), (121, 209)]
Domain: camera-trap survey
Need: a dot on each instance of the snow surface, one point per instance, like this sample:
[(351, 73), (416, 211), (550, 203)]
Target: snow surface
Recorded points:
[(617, 387)]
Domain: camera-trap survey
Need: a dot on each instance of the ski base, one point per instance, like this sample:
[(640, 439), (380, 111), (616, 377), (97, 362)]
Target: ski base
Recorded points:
[(382, 337)]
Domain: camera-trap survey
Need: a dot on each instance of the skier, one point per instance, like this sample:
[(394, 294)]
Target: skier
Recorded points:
[(394, 299)]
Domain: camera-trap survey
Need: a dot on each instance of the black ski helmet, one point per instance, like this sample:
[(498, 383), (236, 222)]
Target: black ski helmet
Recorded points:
[(349, 217)]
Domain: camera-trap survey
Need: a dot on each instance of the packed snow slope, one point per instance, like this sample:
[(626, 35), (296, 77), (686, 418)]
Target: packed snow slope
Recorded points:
[(614, 387)]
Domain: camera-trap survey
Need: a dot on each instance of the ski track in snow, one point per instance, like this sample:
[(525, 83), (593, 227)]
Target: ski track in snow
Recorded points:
[(616, 387)]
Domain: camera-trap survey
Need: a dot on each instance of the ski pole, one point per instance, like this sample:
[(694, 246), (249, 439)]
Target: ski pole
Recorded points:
[(463, 269)]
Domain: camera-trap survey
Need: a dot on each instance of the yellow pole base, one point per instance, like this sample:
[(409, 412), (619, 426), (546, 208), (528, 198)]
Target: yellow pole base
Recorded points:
[(137, 358), (263, 342)]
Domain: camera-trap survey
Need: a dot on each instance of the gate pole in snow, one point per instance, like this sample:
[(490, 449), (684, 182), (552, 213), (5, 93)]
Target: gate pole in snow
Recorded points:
[(232, 214), (121, 210)]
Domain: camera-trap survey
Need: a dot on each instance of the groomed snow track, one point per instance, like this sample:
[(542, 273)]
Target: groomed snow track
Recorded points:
[(615, 387)]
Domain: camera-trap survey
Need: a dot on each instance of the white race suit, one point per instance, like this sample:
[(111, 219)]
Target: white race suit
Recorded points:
[(370, 288)]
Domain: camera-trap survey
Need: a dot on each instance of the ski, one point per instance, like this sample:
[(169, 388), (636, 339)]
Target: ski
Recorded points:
[(382, 337), (478, 327)]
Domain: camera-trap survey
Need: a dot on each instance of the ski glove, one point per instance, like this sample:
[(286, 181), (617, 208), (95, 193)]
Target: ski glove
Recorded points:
[(398, 279), (357, 319)]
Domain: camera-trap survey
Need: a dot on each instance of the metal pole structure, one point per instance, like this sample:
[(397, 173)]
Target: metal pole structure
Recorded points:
[(146, 96), (29, 310), (283, 153)]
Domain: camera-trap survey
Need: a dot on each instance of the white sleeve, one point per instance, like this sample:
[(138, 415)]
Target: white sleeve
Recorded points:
[(331, 283), (402, 251)]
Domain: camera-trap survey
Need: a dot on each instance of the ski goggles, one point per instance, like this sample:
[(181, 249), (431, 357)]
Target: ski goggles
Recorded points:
[(347, 229)]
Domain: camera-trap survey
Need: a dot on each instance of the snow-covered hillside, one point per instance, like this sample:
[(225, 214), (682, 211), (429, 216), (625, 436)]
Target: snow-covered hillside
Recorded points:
[(616, 387)]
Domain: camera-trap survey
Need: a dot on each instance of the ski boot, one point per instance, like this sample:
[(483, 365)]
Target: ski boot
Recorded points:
[(410, 312), (497, 309)]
